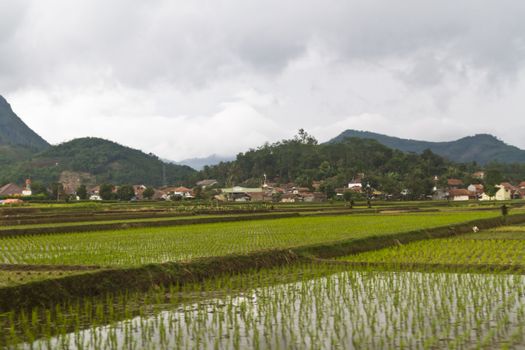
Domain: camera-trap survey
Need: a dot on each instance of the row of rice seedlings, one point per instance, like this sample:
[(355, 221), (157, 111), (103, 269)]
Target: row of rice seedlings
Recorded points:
[(318, 308), (156, 245), (100, 311), (449, 251)]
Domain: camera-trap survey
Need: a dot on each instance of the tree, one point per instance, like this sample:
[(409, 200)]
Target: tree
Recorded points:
[(148, 193), (390, 184), (418, 185), (57, 191), (493, 177), (82, 192), (325, 170), (328, 188), (491, 190), (348, 197), (198, 193), (37, 188), (305, 138), (106, 192), (125, 192)]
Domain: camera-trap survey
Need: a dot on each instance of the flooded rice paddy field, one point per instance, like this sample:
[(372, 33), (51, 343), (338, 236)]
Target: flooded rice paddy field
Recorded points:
[(312, 306)]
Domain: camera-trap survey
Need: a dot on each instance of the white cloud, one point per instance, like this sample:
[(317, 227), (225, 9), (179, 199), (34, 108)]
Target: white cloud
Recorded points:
[(187, 79)]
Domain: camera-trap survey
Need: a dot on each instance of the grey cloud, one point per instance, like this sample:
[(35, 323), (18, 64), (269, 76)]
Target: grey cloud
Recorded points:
[(323, 61), (142, 43)]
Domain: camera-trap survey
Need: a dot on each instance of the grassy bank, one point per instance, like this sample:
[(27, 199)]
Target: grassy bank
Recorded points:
[(43, 229)]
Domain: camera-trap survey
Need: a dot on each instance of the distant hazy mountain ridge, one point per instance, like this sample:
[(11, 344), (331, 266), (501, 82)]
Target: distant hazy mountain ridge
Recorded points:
[(200, 163), (482, 148)]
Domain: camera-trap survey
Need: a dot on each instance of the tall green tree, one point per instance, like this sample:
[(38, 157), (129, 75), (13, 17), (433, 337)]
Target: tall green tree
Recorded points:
[(493, 177), (57, 191), (37, 188), (125, 192), (148, 193), (106, 192), (82, 192)]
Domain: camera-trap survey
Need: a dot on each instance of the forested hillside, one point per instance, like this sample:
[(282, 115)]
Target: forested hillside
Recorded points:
[(102, 160), (482, 148), (14, 132), (302, 160), (17, 141)]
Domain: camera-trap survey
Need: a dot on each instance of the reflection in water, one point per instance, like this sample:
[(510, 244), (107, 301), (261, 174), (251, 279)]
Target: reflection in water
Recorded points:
[(344, 309)]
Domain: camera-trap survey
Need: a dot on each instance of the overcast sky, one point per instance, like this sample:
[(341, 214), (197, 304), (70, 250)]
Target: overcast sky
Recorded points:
[(191, 78)]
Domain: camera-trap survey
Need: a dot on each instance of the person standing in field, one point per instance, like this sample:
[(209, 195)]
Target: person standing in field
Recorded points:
[(504, 210)]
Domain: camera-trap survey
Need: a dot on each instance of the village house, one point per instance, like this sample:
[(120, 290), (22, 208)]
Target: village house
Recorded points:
[(289, 198), (315, 197), (182, 192), (94, 194), (460, 195), (11, 190), (139, 191), (439, 194), (339, 192), (207, 183), (514, 191), (355, 185), (241, 194), (316, 185), (299, 190), (476, 189), (505, 192), (478, 175), (259, 196), (26, 192), (454, 184)]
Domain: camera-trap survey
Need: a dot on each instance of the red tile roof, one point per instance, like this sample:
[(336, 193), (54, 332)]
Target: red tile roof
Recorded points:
[(509, 186), (459, 192), (479, 188), (454, 182), (182, 189), (10, 190)]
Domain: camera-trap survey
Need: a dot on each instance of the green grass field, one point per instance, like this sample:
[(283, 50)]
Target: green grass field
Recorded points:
[(155, 245)]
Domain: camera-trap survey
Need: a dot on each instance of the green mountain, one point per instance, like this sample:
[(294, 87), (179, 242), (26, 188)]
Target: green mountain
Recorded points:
[(482, 148), (17, 141), (23, 154), (14, 132), (302, 160), (95, 161)]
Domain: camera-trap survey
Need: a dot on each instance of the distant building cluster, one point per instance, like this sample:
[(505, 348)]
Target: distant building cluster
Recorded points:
[(456, 190), (452, 189)]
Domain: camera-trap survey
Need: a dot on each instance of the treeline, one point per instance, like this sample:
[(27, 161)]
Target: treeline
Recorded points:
[(302, 160)]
